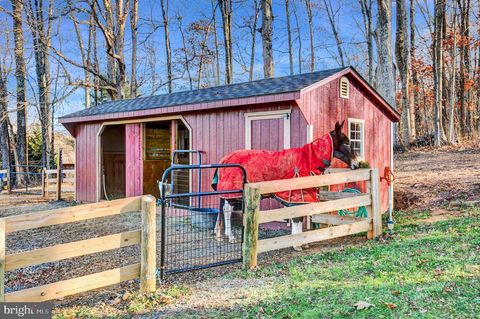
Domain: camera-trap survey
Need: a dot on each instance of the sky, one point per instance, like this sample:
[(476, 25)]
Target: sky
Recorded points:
[(349, 24)]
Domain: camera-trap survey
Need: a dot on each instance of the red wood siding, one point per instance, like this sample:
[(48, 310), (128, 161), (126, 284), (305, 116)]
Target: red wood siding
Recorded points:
[(134, 160), (323, 106), (223, 131), (85, 161), (267, 134)]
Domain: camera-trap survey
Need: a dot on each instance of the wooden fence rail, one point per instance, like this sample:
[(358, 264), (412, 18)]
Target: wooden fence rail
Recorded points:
[(342, 225), (57, 181), (146, 237)]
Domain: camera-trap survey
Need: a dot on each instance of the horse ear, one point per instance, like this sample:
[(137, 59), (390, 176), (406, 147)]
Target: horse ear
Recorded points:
[(341, 125), (337, 127)]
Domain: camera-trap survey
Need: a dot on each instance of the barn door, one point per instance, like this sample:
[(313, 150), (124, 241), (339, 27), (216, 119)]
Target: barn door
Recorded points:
[(268, 131)]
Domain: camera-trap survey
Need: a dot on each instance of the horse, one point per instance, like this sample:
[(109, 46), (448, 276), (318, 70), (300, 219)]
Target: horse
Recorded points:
[(260, 165)]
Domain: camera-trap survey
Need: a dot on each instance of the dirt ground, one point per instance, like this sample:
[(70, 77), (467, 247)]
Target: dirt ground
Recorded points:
[(440, 181), (437, 179)]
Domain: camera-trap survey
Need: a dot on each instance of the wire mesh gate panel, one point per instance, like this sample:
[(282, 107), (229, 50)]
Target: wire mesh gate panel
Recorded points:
[(26, 179), (190, 209)]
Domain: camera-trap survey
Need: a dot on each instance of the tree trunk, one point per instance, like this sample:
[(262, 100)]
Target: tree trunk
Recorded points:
[(185, 53), (366, 6), (464, 6), (41, 48), (20, 75), (226, 11), (289, 34), (4, 121), (308, 5), (438, 67), (254, 38), (83, 54), (383, 38), (168, 50), (401, 53), (299, 38), (121, 12), (267, 36), (134, 30), (413, 73), (331, 19), (215, 37)]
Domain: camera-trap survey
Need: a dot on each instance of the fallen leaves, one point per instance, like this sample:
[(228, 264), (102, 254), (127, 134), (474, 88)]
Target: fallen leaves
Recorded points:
[(390, 305)]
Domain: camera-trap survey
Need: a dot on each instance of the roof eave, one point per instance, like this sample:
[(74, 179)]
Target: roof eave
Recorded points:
[(253, 100)]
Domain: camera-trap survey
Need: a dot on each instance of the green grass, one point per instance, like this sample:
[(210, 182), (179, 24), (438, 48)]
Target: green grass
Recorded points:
[(426, 270)]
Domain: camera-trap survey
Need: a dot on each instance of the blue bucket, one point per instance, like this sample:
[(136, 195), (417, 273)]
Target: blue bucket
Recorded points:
[(204, 217)]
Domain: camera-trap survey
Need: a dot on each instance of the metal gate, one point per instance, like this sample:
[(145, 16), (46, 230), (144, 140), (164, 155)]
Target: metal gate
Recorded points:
[(26, 179), (188, 218)]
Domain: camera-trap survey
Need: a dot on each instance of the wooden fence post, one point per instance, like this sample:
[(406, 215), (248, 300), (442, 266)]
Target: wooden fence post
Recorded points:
[(250, 222), (43, 182), (376, 216), (59, 183), (148, 245), (2, 259)]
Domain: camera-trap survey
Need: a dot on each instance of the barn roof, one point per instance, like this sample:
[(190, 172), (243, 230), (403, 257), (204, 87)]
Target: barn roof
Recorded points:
[(280, 88), (224, 92)]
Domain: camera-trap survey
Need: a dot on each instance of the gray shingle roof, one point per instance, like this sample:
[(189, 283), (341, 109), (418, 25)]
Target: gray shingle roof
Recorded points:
[(278, 85)]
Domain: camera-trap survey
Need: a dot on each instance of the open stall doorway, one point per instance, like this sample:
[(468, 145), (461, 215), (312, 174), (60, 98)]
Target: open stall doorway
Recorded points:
[(113, 162), (160, 140)]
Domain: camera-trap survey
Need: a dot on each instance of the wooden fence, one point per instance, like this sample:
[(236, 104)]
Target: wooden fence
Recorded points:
[(57, 181), (146, 237), (5, 179), (342, 225)]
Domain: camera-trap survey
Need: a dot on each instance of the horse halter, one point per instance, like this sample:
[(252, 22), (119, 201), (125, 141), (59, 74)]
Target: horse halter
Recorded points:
[(344, 152)]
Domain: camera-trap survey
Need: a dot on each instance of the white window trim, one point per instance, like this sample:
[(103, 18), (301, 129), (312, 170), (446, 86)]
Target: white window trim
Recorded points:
[(362, 137), (309, 133), (268, 115)]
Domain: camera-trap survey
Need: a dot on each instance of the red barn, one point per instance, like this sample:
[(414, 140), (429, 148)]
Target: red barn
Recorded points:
[(123, 147)]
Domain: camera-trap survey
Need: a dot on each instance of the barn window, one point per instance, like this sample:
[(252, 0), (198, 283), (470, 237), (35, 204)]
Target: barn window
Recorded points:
[(356, 136), (344, 88)]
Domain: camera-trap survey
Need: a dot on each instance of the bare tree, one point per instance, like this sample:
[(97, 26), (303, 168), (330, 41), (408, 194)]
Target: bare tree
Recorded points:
[(333, 24), (253, 34), (413, 72), (267, 35), (186, 59), (168, 50), (437, 69), (289, 34), (401, 53), (308, 5), (41, 35), (4, 120), (111, 21), (83, 53), (215, 38), (226, 11), (453, 58), (464, 95), (383, 38), (134, 31), (20, 75), (366, 6), (299, 38)]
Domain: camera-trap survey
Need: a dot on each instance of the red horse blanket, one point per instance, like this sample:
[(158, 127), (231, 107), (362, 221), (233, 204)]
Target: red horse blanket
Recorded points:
[(312, 158)]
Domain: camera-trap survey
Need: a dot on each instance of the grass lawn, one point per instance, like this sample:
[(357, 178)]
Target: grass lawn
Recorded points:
[(426, 270)]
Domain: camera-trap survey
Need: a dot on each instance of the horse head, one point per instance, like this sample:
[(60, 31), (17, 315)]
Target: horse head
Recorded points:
[(341, 147)]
